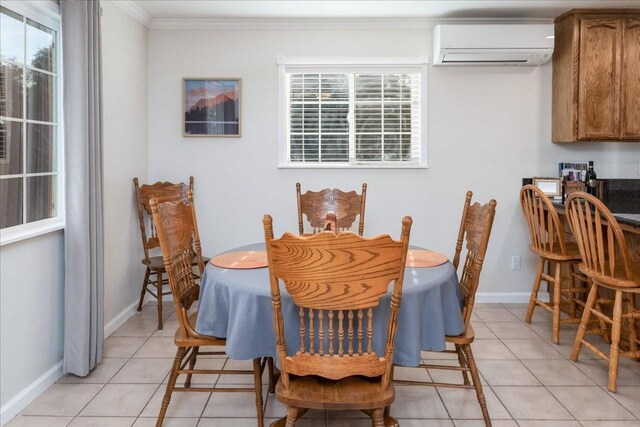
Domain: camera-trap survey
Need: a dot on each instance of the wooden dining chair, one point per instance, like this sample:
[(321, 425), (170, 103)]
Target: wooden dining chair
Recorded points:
[(178, 236), (154, 277), (554, 251), (606, 261), (473, 235), (315, 205), (335, 281)]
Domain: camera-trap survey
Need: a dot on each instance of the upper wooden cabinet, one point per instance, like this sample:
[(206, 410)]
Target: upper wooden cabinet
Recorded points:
[(596, 76)]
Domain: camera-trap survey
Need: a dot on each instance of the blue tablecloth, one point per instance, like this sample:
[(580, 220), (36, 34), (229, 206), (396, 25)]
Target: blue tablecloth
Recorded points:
[(236, 305)]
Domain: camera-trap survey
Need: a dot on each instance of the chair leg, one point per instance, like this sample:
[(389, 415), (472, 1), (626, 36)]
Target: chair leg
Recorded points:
[(257, 378), (173, 377), (572, 294), (633, 325), (144, 288), (614, 354), (272, 377), (586, 317), (473, 369), (557, 299), (192, 364), (534, 291), (159, 287), (292, 416), (463, 363), (604, 330), (377, 417)]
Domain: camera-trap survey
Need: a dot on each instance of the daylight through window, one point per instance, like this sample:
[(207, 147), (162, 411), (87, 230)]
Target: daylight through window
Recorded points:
[(28, 121)]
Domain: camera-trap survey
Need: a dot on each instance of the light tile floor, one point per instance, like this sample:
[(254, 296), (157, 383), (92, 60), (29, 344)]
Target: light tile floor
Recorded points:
[(528, 382)]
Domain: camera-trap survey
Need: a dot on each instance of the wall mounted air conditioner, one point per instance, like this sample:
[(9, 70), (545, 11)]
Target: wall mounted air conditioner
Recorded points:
[(509, 44)]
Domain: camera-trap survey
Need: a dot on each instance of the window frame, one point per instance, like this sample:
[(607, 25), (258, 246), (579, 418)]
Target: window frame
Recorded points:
[(376, 65), (47, 14)]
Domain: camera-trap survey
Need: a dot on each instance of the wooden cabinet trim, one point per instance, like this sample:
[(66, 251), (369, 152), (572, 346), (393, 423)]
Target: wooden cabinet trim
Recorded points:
[(599, 78), (586, 108), (630, 80)]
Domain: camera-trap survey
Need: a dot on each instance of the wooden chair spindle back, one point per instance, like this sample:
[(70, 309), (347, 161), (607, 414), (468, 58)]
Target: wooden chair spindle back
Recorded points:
[(545, 230), (335, 281), (144, 194), (345, 205), (601, 242), (475, 230), (179, 238)]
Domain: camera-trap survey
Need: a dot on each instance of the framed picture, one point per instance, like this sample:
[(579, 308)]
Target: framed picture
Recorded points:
[(549, 186), (211, 107)]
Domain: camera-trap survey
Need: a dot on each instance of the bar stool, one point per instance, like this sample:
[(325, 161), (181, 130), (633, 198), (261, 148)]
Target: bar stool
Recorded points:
[(548, 242), (606, 261)]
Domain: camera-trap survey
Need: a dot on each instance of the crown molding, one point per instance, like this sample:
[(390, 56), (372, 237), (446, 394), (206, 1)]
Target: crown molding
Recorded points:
[(132, 9), (327, 23)]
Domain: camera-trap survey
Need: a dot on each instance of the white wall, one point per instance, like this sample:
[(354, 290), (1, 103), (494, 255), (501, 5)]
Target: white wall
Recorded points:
[(31, 315), (487, 128), (125, 45)]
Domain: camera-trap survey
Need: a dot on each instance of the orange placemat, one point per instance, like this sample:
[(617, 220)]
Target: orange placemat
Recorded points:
[(425, 258), (241, 260)]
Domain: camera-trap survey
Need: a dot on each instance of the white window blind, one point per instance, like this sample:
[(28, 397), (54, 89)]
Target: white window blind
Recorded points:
[(336, 116)]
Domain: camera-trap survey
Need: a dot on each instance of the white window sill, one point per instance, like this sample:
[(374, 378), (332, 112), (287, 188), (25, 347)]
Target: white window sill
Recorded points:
[(351, 166), (27, 231)]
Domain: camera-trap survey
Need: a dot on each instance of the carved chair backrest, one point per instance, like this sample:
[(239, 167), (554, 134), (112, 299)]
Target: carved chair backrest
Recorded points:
[(475, 230), (545, 229), (603, 248), (315, 205), (335, 281), (146, 192), (179, 238)]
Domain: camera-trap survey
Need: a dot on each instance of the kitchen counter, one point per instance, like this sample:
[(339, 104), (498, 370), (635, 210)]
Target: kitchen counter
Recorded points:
[(630, 217), (628, 221)]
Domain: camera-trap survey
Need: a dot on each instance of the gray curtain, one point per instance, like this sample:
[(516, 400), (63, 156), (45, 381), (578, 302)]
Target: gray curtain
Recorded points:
[(83, 235)]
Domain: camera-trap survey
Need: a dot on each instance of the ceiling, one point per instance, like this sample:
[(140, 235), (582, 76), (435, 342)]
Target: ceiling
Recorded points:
[(418, 9)]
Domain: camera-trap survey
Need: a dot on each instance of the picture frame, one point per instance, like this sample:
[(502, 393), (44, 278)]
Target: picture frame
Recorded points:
[(211, 107), (572, 171), (550, 186)]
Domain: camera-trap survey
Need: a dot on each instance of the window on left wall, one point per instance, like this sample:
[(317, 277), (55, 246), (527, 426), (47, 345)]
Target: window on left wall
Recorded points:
[(30, 135)]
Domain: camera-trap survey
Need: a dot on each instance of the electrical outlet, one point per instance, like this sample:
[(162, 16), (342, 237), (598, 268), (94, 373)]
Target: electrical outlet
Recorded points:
[(515, 263)]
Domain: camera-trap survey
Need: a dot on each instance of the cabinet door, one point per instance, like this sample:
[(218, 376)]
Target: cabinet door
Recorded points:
[(630, 91), (599, 78)]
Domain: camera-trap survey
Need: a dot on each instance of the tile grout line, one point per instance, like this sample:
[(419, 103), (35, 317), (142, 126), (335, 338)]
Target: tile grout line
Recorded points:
[(597, 385), (116, 373), (199, 419)]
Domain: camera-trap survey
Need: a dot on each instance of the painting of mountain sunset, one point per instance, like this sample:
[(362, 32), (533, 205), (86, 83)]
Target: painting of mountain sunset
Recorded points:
[(211, 107)]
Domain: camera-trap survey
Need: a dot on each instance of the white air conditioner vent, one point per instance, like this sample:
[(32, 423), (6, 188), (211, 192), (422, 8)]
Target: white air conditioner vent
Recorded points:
[(511, 44)]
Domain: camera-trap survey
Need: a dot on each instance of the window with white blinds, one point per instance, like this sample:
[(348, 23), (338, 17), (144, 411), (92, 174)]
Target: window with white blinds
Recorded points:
[(366, 118)]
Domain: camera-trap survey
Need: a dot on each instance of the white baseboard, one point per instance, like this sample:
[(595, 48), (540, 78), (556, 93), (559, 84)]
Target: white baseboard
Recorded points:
[(30, 393), (120, 318), (508, 297)]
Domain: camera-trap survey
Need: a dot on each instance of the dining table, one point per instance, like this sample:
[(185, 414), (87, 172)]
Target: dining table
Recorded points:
[(235, 303)]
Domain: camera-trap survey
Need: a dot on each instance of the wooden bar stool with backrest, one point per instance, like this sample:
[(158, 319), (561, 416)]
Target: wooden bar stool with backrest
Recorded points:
[(153, 276), (178, 235), (549, 243), (606, 261), (335, 281), (475, 230), (315, 205)]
